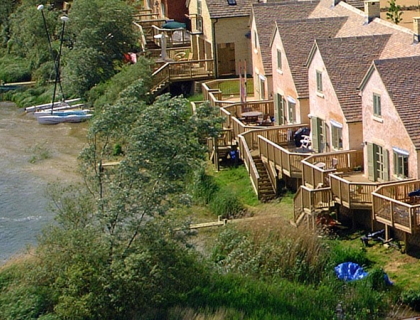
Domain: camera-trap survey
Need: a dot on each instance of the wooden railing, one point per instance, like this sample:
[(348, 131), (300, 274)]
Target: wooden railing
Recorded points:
[(308, 201), (287, 162), (249, 163), (148, 24), (184, 70), (224, 89), (351, 194), (170, 34), (317, 167), (393, 207)]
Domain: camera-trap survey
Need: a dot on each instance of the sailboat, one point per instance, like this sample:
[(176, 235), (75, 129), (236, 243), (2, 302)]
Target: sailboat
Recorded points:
[(58, 112)]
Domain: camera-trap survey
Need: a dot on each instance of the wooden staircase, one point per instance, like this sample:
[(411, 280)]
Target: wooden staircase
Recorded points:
[(266, 192)]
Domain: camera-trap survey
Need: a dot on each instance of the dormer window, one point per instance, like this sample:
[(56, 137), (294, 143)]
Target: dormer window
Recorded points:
[(232, 2)]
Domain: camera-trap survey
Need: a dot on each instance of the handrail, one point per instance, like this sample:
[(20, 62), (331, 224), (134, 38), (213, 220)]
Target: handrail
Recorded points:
[(175, 70), (249, 163), (169, 34)]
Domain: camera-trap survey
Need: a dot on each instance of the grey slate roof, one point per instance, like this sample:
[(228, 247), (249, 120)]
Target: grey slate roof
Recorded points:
[(221, 8), (404, 91), (298, 38), (265, 15), (346, 61)]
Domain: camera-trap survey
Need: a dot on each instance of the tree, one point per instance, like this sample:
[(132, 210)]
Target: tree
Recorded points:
[(394, 12), (115, 253), (6, 9), (101, 32)]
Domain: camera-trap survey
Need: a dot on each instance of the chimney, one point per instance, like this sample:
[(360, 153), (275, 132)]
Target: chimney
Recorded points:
[(335, 2), (372, 10), (416, 29)]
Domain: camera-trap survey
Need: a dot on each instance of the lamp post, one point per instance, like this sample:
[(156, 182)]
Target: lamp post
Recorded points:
[(56, 60)]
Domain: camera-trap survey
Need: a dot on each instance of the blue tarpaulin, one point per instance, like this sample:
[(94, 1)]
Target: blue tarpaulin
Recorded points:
[(350, 271)]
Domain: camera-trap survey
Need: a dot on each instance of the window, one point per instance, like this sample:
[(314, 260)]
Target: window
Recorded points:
[(400, 163), (379, 155), (291, 110), (377, 105), (336, 135), (319, 81), (378, 162), (279, 65), (255, 40), (231, 2)]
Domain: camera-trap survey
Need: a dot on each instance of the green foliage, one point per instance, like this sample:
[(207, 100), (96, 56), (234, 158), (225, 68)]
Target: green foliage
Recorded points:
[(101, 33), (226, 203), (270, 251), (109, 92), (28, 38), (204, 187), (14, 69), (412, 298), (340, 253), (394, 12)]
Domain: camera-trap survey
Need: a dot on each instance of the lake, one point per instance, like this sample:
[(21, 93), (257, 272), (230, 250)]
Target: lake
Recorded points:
[(32, 156)]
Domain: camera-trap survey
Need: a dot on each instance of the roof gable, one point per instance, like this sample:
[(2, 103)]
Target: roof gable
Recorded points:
[(221, 8), (346, 61), (297, 37), (265, 15), (402, 82)]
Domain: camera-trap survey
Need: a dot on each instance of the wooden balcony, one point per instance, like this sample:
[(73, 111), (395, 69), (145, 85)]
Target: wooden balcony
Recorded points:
[(174, 71), (317, 167), (174, 37), (224, 92), (309, 203), (288, 161), (393, 207)]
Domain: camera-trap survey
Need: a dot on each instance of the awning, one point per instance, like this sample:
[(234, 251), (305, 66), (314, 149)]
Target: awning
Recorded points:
[(336, 124), (401, 151)]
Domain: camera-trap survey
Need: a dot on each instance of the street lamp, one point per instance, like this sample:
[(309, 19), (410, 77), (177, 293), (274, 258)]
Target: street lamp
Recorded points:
[(57, 61)]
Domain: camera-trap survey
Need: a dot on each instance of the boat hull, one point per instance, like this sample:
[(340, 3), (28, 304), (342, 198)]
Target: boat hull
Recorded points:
[(56, 119)]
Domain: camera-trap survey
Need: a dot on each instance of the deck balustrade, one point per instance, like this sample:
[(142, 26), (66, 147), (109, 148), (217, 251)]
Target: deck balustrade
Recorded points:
[(393, 206)]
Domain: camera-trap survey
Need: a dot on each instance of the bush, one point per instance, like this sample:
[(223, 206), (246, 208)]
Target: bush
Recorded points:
[(340, 253), (14, 69), (226, 204), (204, 187), (411, 298)]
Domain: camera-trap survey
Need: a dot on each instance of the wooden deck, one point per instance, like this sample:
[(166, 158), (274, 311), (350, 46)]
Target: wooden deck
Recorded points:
[(393, 206)]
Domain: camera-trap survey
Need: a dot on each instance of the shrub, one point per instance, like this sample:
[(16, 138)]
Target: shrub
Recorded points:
[(340, 253), (204, 187), (412, 298), (226, 204)]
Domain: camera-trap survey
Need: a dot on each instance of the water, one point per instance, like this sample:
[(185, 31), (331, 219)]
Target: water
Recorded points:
[(31, 156)]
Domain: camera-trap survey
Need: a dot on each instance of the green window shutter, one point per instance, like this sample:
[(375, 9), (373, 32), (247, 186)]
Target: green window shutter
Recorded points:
[(277, 108), (386, 165), (315, 133), (283, 105), (371, 165)]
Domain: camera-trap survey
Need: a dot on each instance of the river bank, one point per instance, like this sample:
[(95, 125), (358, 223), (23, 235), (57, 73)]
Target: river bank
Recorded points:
[(33, 156)]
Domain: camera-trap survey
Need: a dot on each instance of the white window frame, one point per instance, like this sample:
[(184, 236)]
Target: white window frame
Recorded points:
[(400, 157), (319, 87), (336, 135), (377, 108), (279, 61)]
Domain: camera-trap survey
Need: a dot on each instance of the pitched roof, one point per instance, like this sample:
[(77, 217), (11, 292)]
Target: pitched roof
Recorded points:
[(265, 14), (297, 37), (222, 9), (346, 61), (404, 90), (400, 43)]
